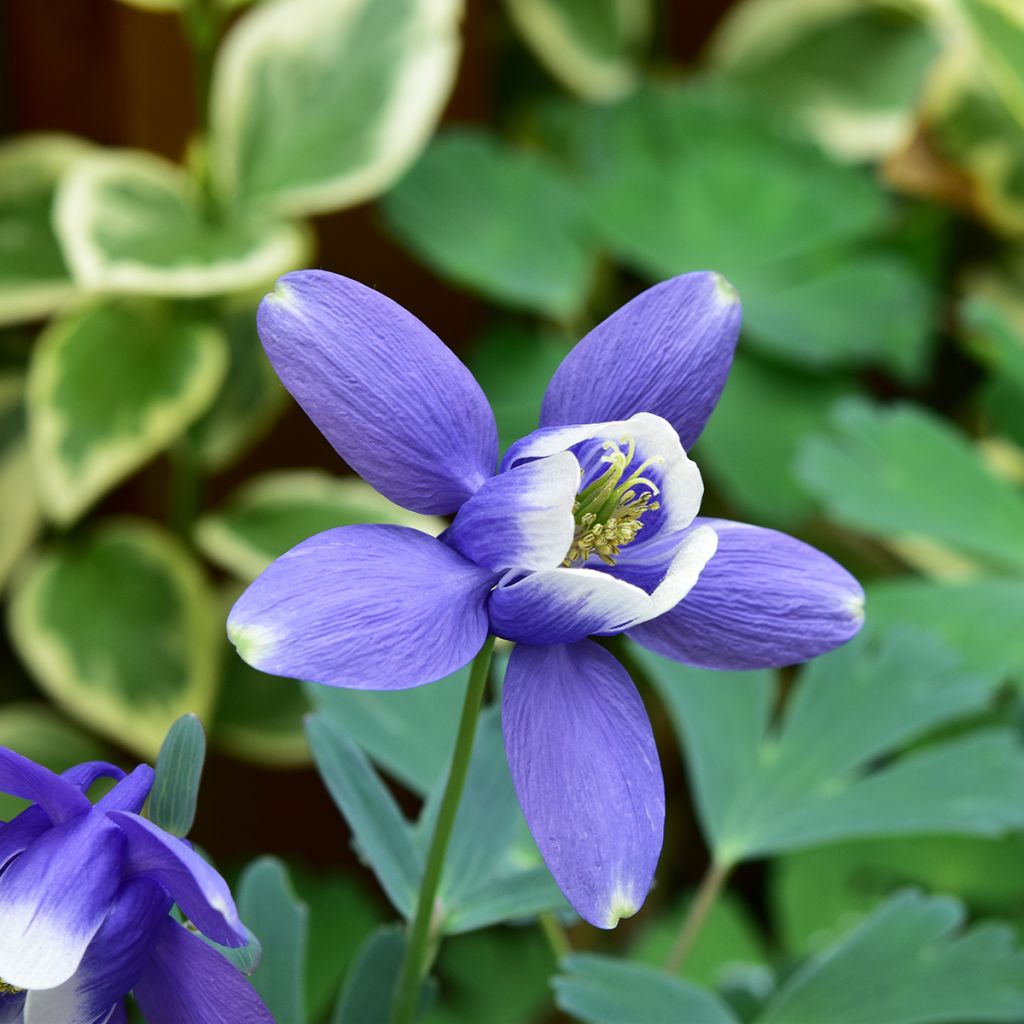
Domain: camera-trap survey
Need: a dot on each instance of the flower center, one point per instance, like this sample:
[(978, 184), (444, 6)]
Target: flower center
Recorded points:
[(8, 990), (608, 512)]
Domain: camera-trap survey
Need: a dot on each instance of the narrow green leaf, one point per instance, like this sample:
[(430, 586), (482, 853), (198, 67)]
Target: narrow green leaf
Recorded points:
[(34, 279), (88, 430), (243, 958), (591, 46), (534, 254), (280, 920), (318, 106), (179, 769), (902, 471), (119, 629), (909, 963), (601, 990), (812, 779), (130, 222), (409, 733), (274, 512), (380, 830)]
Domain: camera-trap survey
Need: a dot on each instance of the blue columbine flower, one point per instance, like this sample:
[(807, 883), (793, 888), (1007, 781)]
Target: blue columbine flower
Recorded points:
[(85, 895), (587, 529)]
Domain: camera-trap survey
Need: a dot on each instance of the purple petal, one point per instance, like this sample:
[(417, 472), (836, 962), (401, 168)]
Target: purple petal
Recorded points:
[(11, 1006), (19, 833), (118, 1015), (85, 774), (204, 897), (21, 777), (368, 607), (53, 899), (395, 403), (521, 518), (187, 982), (586, 771), (559, 606), (131, 792), (765, 600), (668, 351), (680, 487), (113, 963)]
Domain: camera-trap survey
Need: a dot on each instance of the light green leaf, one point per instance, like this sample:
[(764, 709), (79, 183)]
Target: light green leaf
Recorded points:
[(319, 105), (409, 733), (909, 963), (998, 27), (179, 769), (808, 59), (994, 319), (901, 471), (119, 629), (274, 512), (249, 400), (749, 445), (499, 220), (34, 279), (130, 222), (280, 920), (979, 619), (591, 46), (667, 176), (20, 515), (38, 732), (601, 990), (763, 788), (88, 428), (379, 828), (819, 893)]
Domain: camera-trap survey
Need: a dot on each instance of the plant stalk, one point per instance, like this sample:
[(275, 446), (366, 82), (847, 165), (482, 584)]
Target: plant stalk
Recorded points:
[(419, 951), (707, 894)]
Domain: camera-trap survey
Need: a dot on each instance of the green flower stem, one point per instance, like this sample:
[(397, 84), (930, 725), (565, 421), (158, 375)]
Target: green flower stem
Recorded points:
[(556, 935), (419, 946), (202, 22), (710, 888), (186, 487)]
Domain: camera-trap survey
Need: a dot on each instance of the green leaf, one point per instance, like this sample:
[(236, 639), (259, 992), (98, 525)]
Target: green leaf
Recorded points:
[(752, 465), (130, 222), (728, 938), (20, 515), (999, 30), (317, 106), (38, 732), (909, 963), (379, 828), (179, 769), (601, 990), (901, 471), (813, 778), (499, 220), (818, 893), (667, 177), (274, 512), (119, 629), (994, 323), (513, 367), (808, 59), (280, 920), (88, 428), (979, 619), (34, 279), (369, 987), (490, 850), (409, 733), (249, 400), (591, 46)]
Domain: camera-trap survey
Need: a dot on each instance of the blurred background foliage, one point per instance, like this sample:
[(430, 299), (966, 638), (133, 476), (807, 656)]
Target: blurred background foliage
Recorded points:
[(512, 173)]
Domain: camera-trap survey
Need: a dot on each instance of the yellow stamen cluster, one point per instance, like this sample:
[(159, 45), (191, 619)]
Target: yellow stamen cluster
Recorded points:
[(608, 512), (8, 990)]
